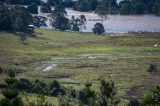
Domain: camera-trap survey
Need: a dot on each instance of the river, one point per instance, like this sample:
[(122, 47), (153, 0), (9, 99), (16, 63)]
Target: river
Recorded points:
[(117, 23)]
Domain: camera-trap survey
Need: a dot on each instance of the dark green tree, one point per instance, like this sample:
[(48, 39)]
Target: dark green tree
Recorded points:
[(54, 2), (125, 7), (5, 18), (21, 19), (98, 28), (83, 5), (61, 23), (33, 8), (39, 21), (93, 4), (45, 8), (107, 95), (79, 23), (101, 10), (59, 10), (10, 93), (110, 6)]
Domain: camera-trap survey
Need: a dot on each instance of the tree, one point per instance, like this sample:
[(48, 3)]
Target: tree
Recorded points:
[(45, 8), (54, 2), (61, 23), (82, 21), (68, 3), (79, 23), (21, 19), (23, 2), (98, 28), (10, 94), (19, 26), (33, 8), (107, 95), (39, 21), (82, 5), (93, 4), (56, 89), (125, 7), (11, 98), (5, 18), (66, 100), (75, 28), (138, 7), (101, 10), (59, 20), (156, 8), (110, 6), (59, 10)]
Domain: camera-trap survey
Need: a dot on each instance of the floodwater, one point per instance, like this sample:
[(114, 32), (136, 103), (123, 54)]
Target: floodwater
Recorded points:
[(117, 23)]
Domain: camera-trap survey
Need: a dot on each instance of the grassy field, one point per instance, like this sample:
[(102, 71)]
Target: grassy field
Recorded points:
[(82, 57)]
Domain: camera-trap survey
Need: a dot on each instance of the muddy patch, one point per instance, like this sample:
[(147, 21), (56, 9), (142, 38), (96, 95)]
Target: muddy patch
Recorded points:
[(86, 66), (137, 91), (58, 77)]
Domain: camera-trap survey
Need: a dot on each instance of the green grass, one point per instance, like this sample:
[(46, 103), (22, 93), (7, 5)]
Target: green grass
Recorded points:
[(126, 57)]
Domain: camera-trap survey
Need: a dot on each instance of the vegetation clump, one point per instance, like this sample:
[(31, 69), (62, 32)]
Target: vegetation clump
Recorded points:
[(152, 68), (98, 28)]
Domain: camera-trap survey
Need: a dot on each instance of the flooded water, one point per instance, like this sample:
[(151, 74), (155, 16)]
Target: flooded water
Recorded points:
[(117, 23)]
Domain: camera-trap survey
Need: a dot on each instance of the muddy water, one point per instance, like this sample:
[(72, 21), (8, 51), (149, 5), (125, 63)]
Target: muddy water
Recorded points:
[(122, 24), (116, 23)]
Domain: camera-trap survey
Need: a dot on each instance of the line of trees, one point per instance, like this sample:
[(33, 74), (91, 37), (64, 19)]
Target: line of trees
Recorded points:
[(15, 93), (23, 2), (125, 7), (139, 7), (18, 19)]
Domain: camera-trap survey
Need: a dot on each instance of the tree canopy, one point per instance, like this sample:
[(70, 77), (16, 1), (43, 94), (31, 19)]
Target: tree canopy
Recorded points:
[(15, 19)]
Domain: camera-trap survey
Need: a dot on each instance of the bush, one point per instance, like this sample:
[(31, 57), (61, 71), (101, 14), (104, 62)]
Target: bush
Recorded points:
[(39, 87), (10, 93), (11, 98), (1, 70), (133, 102), (151, 97), (152, 68), (23, 84), (56, 89), (98, 28)]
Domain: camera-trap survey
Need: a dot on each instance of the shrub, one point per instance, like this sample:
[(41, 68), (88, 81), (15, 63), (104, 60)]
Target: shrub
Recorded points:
[(151, 97), (56, 89), (98, 28), (152, 68), (11, 98), (23, 84), (10, 93), (1, 70), (133, 102)]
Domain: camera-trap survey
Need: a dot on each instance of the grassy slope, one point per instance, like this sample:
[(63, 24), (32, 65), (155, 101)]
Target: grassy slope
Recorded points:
[(128, 53)]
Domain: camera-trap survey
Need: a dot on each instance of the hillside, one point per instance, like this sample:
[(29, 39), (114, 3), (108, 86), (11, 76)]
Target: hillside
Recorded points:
[(79, 58)]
